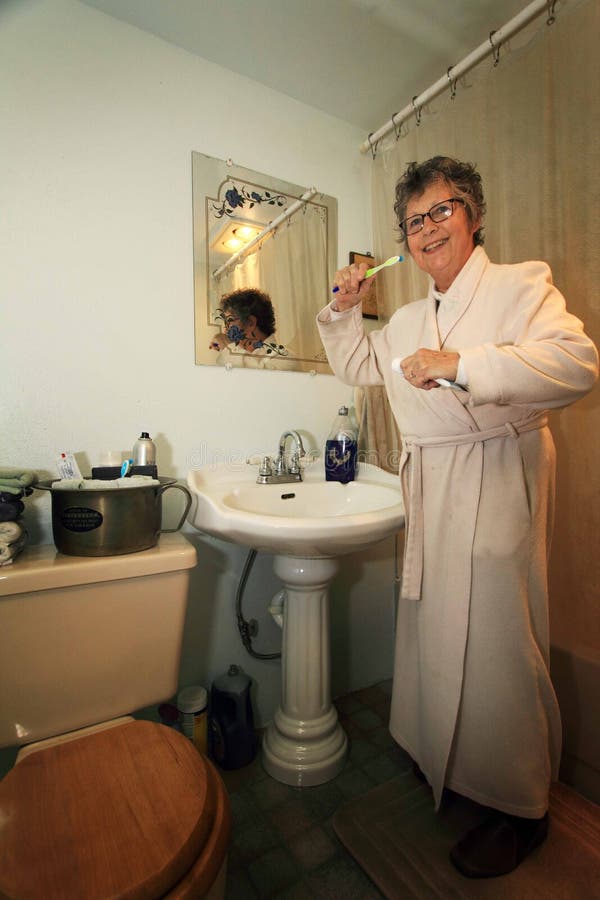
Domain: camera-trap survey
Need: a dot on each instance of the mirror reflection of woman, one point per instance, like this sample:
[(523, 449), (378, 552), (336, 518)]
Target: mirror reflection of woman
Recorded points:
[(249, 324)]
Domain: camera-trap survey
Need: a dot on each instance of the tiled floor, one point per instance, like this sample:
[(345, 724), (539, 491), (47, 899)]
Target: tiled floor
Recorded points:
[(283, 843)]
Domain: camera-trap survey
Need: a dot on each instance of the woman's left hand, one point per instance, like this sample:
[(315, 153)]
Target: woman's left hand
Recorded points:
[(423, 367)]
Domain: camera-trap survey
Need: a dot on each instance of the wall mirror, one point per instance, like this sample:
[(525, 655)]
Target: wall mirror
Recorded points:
[(253, 231)]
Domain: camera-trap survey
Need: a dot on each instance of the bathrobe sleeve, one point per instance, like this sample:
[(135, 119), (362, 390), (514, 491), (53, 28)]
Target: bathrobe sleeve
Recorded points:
[(352, 353), (542, 357)]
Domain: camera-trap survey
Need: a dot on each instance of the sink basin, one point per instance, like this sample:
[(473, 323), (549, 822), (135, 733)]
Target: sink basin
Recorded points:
[(309, 519)]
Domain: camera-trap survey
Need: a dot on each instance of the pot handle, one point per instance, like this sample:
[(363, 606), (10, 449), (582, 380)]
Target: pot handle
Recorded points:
[(188, 503)]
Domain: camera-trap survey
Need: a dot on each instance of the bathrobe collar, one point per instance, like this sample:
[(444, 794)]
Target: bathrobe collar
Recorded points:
[(455, 301)]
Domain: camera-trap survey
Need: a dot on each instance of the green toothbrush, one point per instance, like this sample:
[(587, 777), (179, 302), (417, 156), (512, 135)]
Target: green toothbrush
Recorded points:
[(389, 262)]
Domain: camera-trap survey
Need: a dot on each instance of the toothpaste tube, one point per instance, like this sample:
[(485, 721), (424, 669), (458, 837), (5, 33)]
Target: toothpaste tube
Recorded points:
[(443, 382)]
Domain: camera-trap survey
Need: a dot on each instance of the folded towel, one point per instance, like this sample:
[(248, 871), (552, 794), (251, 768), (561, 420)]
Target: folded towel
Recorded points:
[(83, 484), (103, 484), (9, 551), (137, 481), (11, 511), (27, 476), (11, 486), (12, 479), (68, 484), (10, 494), (11, 532)]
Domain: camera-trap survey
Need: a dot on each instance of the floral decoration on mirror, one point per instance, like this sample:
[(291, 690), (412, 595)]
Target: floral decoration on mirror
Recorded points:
[(239, 198)]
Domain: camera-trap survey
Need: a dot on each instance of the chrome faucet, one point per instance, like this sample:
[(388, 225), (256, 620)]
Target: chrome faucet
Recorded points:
[(285, 467), (293, 467)]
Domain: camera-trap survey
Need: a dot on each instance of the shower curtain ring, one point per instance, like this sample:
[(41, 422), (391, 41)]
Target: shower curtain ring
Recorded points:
[(551, 17), (372, 145), (397, 128), (495, 49), (417, 110), (452, 82)]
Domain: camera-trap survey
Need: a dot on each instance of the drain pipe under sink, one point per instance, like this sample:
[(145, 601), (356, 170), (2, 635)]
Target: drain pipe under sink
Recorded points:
[(248, 629)]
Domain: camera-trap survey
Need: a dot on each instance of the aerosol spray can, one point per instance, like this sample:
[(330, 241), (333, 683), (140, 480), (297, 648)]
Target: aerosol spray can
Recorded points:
[(144, 451)]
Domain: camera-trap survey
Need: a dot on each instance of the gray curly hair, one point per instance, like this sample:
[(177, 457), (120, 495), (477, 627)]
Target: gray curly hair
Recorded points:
[(464, 181)]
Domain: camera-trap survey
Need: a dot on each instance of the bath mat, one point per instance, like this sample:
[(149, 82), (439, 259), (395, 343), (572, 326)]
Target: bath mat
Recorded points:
[(403, 846)]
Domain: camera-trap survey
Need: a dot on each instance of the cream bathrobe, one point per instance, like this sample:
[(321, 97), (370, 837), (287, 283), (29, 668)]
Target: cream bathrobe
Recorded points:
[(472, 699)]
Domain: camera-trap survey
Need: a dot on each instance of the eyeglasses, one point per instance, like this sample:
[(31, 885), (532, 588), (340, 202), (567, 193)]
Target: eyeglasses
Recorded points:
[(438, 213)]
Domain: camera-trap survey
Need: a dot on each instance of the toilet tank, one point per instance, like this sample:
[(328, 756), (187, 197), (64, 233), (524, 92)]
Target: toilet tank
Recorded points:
[(86, 639)]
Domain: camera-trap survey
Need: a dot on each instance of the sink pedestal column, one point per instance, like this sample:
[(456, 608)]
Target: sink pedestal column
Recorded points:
[(305, 744)]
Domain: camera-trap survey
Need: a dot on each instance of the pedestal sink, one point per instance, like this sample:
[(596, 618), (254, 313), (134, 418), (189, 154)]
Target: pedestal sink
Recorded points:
[(307, 526)]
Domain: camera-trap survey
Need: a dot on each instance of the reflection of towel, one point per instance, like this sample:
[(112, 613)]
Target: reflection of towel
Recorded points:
[(14, 481), (13, 538)]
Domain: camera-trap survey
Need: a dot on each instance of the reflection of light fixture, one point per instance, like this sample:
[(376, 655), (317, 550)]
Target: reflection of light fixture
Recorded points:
[(240, 236), (233, 243), (236, 236), (245, 232)]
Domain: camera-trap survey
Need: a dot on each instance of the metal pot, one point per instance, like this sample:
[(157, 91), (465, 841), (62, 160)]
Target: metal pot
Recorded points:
[(112, 521)]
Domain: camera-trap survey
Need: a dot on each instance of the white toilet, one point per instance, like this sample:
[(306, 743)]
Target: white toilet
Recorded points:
[(102, 805)]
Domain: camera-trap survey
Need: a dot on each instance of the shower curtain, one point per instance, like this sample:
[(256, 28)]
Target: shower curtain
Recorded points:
[(531, 124)]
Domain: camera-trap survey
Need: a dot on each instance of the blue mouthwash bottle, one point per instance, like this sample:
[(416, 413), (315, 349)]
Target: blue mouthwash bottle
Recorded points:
[(341, 449)]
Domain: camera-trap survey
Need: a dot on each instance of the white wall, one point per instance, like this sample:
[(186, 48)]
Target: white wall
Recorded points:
[(99, 122)]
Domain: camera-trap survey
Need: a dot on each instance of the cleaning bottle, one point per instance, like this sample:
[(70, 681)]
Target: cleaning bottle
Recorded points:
[(341, 449), (232, 739)]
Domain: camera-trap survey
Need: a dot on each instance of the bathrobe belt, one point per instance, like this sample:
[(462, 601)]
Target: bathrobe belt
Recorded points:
[(412, 488)]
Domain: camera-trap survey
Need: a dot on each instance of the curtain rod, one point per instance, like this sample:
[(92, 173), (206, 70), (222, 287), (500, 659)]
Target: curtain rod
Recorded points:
[(308, 195), (492, 45)]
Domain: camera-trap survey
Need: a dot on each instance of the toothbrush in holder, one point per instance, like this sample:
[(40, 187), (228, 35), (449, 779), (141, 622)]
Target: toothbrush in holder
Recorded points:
[(389, 262)]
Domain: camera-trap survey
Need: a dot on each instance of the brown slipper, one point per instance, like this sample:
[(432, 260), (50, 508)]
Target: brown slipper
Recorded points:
[(498, 845)]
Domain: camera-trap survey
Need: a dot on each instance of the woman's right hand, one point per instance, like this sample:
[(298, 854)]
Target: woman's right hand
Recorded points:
[(352, 284)]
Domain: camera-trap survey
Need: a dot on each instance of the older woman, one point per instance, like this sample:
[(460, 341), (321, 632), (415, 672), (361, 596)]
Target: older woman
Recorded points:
[(472, 702)]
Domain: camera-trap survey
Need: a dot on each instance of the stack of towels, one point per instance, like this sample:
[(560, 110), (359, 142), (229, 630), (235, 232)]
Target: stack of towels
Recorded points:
[(14, 485)]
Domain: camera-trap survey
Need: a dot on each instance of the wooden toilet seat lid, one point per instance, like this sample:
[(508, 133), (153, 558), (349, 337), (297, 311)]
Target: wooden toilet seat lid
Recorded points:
[(122, 813)]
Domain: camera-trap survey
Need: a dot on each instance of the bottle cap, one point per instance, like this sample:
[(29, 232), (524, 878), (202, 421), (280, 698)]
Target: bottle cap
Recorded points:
[(233, 681), (343, 411), (192, 699)]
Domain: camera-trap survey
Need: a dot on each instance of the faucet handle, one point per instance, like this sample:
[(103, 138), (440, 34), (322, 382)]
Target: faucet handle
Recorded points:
[(265, 463), (266, 466)]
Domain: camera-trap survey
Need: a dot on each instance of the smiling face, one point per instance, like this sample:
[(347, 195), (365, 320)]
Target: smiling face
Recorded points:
[(441, 248)]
